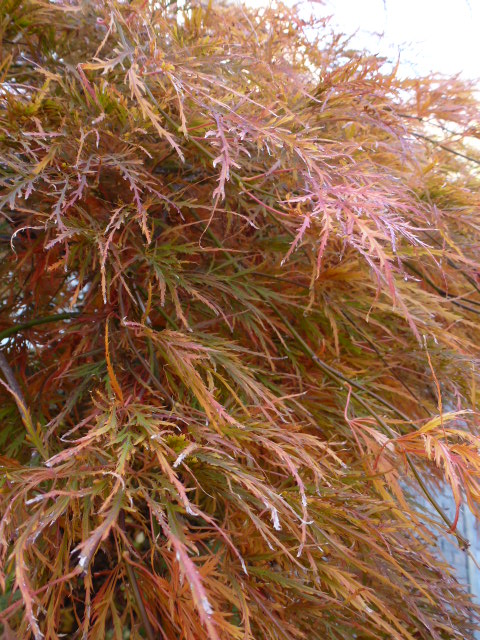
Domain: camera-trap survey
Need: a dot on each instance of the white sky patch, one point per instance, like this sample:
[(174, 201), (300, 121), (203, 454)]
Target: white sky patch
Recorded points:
[(429, 35)]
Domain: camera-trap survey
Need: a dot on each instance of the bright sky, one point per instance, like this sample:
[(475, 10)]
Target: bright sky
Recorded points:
[(431, 35)]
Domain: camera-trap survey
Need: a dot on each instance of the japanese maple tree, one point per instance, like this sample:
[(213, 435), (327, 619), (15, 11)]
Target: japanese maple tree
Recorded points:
[(239, 336)]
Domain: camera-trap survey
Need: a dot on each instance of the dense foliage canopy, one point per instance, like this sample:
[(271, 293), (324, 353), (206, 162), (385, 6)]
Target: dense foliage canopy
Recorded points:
[(239, 298)]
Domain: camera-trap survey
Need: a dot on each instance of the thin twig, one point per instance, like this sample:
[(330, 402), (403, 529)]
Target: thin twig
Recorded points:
[(445, 148)]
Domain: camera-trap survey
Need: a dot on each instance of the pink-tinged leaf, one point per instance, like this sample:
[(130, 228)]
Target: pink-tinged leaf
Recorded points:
[(188, 567)]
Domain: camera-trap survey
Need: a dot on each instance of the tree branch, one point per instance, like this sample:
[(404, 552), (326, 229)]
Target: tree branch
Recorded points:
[(6, 333)]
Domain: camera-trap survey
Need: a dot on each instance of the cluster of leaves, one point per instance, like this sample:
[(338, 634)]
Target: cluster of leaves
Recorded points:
[(239, 298)]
